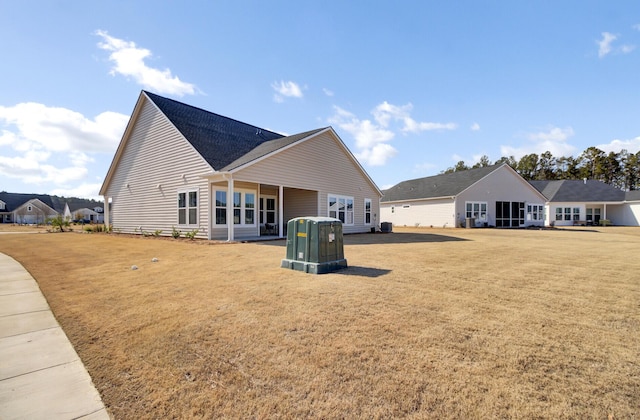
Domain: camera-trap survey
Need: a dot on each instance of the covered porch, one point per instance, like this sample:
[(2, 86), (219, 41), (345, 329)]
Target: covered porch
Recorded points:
[(245, 210)]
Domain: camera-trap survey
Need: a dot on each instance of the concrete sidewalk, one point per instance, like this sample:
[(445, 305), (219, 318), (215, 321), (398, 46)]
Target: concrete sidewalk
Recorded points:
[(41, 375)]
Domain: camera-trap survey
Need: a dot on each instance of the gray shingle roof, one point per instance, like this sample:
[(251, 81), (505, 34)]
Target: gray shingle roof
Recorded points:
[(15, 200), (632, 195), (220, 140), (578, 191), (437, 186)]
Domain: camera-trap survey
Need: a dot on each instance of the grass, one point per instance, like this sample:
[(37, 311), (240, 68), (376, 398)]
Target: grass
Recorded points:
[(424, 323)]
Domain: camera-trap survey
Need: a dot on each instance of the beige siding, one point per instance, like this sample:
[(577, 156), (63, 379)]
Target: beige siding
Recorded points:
[(156, 163), (318, 164), (437, 213), (300, 203)]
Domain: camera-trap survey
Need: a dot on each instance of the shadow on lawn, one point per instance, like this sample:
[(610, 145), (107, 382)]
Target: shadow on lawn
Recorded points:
[(383, 238), (354, 270), (396, 238)]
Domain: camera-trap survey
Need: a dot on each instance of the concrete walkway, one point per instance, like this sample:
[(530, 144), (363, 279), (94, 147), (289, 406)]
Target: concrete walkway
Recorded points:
[(41, 375)]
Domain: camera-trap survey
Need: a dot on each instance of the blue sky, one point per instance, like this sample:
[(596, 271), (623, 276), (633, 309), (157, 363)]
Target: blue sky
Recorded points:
[(411, 87)]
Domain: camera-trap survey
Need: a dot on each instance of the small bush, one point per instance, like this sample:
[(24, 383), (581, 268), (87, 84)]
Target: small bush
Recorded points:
[(175, 232), (157, 232), (191, 235)]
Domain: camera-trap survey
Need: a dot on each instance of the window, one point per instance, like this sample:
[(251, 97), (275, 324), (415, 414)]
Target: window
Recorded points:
[(244, 207), (478, 210), (567, 213), (29, 208), (367, 211), (559, 213), (576, 213), (188, 208), (268, 211), (221, 207), (341, 207), (535, 212), (510, 213)]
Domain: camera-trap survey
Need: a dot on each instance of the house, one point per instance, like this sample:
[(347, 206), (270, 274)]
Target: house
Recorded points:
[(587, 202), (181, 167), (28, 208), (488, 196), (39, 208)]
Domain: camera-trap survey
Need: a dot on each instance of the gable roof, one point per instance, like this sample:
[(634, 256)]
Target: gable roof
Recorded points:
[(442, 185), (219, 140), (224, 143), (570, 190)]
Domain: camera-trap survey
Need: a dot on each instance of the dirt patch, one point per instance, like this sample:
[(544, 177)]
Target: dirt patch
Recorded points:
[(424, 323)]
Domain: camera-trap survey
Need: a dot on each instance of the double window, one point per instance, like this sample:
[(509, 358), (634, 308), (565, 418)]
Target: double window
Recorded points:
[(567, 213), (341, 207), (477, 210), (188, 207), (244, 208), (535, 212)]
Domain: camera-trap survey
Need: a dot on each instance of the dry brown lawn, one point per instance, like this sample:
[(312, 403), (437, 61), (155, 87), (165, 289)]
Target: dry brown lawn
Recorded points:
[(425, 323)]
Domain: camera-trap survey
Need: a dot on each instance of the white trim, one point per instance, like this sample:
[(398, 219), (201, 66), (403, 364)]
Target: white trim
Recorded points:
[(187, 192), (370, 212), (346, 200), (242, 208)]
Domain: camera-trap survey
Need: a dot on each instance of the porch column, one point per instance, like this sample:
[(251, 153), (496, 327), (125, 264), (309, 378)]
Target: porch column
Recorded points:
[(230, 209), (605, 211), (106, 212), (280, 211)]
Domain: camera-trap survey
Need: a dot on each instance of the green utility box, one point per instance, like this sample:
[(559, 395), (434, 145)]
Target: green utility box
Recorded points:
[(314, 245)]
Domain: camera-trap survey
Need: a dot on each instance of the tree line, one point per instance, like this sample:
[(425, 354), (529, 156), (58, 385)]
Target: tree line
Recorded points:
[(621, 169)]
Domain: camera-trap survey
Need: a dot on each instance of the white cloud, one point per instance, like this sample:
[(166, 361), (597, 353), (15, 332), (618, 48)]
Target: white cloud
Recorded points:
[(59, 129), (34, 134), (386, 112), (554, 140), (475, 127), (90, 191), (636, 27), (626, 49), (631, 145), (129, 61), (366, 133), (604, 45), (287, 89), (377, 155), (371, 139), (327, 92)]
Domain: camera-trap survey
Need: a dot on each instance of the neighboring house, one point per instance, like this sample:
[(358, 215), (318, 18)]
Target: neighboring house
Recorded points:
[(491, 196), (77, 209), (184, 168), (34, 211), (38, 208), (5, 214), (587, 202), (629, 214)]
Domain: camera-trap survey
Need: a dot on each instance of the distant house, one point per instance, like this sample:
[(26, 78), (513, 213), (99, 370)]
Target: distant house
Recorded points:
[(488, 196), (587, 202), (39, 208), (184, 168)]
